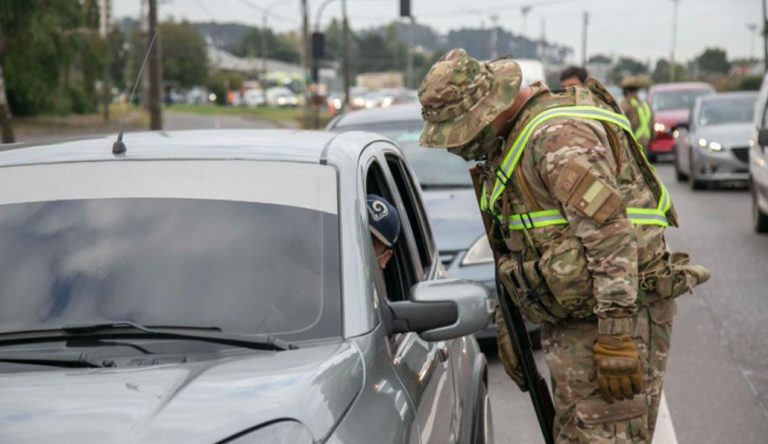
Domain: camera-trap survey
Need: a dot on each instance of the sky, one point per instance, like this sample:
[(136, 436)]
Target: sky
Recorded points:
[(638, 28)]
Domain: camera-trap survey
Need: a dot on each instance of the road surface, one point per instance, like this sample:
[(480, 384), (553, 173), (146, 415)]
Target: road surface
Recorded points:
[(717, 382)]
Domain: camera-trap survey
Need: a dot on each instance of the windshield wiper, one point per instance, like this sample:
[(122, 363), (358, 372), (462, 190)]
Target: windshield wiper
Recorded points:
[(133, 329), (68, 360)]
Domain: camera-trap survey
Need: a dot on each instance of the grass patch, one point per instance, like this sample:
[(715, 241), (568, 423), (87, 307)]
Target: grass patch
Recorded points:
[(262, 112)]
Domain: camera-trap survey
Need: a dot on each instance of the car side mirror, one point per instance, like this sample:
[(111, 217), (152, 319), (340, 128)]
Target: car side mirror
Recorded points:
[(443, 309), (762, 137)]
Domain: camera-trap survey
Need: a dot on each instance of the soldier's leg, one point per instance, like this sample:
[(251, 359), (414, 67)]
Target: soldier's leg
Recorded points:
[(582, 416), (660, 316)]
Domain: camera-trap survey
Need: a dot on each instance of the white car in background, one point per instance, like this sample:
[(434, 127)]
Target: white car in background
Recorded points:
[(281, 96), (253, 98)]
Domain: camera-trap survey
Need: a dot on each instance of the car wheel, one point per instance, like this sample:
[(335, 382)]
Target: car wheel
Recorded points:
[(679, 175), (759, 219), (651, 157), (483, 420), (695, 183)]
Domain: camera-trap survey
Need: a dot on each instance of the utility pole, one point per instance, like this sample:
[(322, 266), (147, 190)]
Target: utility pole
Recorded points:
[(104, 17), (345, 52), (584, 40), (494, 37), (155, 75), (752, 36), (525, 10), (263, 51), (306, 54), (409, 81), (764, 29), (675, 4)]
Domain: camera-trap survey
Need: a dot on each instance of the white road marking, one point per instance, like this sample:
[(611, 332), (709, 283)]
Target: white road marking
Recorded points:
[(665, 431)]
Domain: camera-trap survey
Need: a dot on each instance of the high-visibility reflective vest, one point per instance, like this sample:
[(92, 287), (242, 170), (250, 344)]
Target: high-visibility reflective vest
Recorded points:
[(537, 219), (644, 118)]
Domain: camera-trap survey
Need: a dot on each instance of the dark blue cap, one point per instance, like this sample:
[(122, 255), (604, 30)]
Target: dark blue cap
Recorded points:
[(383, 220)]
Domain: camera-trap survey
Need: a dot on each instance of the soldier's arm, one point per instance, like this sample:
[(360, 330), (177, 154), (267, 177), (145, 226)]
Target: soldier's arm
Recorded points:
[(579, 172)]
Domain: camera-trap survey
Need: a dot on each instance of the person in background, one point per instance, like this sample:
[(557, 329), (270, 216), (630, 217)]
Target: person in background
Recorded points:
[(573, 76)]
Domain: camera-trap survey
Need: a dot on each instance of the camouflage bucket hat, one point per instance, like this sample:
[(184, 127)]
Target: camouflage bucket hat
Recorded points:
[(460, 96)]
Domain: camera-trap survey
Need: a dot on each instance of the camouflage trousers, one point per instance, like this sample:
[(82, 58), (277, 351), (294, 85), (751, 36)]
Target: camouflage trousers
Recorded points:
[(582, 416)]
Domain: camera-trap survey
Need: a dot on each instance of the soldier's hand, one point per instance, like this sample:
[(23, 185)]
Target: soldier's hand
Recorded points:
[(507, 352), (618, 367)]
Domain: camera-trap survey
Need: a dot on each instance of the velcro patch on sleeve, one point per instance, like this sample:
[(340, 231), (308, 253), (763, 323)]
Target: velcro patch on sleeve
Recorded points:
[(580, 188)]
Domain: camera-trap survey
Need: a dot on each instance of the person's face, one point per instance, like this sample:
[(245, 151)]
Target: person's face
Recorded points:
[(571, 81), (383, 253)]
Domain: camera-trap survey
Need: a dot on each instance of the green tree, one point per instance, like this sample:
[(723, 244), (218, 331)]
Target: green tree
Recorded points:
[(626, 66), (661, 72), (713, 61), (599, 58), (185, 62), (279, 46)]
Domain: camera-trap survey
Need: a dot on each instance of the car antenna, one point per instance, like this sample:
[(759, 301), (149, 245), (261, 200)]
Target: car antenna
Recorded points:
[(119, 147)]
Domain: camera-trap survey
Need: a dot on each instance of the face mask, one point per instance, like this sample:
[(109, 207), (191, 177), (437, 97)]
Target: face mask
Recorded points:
[(486, 142)]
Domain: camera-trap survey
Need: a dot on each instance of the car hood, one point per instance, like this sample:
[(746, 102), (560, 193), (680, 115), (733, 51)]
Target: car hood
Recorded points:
[(736, 134), (671, 117), (455, 217), (202, 402)]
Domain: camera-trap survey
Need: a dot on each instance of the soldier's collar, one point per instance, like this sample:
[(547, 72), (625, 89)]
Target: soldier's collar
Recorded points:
[(538, 88)]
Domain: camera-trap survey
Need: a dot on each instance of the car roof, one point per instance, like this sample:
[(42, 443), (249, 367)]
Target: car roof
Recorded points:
[(729, 95), (661, 87), (277, 145), (406, 112)]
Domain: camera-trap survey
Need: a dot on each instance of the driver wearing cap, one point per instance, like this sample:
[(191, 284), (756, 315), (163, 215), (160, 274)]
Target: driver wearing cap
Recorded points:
[(384, 225)]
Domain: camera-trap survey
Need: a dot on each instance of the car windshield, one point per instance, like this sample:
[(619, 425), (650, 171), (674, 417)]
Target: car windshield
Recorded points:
[(673, 100), (727, 110), (190, 244), (434, 167)]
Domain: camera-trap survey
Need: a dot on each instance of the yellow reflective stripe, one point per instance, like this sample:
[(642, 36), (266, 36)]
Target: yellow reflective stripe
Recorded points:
[(513, 156), (546, 218)]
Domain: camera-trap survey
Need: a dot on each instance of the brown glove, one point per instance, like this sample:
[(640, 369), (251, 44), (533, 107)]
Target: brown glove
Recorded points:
[(507, 352), (618, 367)]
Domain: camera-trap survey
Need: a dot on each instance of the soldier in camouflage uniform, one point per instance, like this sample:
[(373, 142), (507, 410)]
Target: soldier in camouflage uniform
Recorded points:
[(582, 251)]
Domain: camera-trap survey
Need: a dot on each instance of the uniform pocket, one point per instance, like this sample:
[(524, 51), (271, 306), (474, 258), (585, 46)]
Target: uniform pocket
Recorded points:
[(663, 312), (622, 421), (564, 267)]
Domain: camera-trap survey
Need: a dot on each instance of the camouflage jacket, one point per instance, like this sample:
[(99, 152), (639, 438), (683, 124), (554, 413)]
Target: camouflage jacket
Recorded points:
[(589, 267)]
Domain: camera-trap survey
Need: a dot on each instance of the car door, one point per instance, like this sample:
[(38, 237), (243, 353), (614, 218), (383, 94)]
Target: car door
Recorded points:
[(422, 367), (758, 168)]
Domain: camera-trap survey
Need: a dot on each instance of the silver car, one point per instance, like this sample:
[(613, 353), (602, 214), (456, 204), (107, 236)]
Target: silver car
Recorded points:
[(448, 194), (221, 286), (715, 146)]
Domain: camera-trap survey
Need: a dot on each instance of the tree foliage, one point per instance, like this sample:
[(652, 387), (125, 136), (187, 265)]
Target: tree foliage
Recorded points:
[(713, 61), (51, 55), (185, 62), (626, 66), (279, 46)]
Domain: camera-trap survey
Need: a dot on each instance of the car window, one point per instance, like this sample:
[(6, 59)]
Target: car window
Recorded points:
[(726, 110), (672, 100), (71, 253), (414, 208), (400, 273), (434, 167)]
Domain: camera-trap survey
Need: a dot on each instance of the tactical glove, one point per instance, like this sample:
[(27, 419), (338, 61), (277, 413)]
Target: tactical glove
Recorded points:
[(618, 366), (507, 352)]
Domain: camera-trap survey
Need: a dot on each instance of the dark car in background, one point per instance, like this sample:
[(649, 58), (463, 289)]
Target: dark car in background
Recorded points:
[(448, 194), (671, 104), (715, 146)]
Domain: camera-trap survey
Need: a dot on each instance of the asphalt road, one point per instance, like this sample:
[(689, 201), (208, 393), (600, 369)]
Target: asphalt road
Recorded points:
[(717, 381)]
